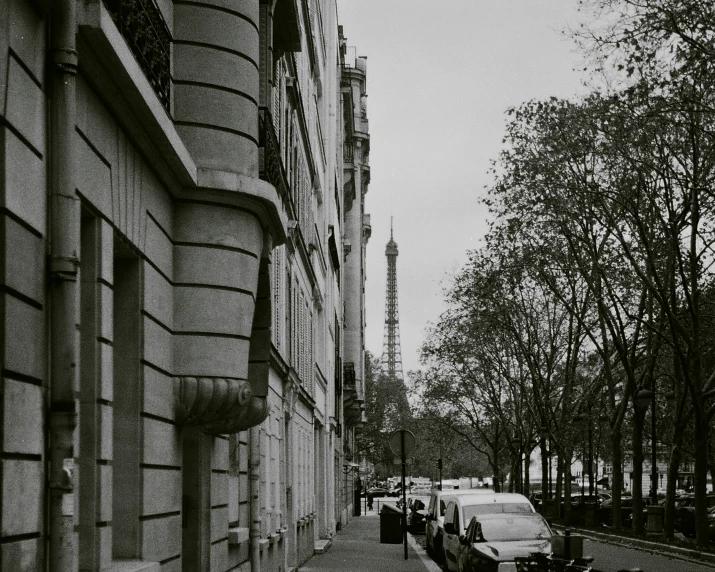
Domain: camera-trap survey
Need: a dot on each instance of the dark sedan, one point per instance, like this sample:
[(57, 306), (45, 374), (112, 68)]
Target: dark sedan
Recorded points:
[(494, 539), (416, 513), (685, 513)]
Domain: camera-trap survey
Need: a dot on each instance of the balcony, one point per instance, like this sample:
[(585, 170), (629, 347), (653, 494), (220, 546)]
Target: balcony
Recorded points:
[(352, 403), (270, 163), (348, 153), (143, 27)]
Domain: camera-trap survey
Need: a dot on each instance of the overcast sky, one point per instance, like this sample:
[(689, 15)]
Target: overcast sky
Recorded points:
[(440, 76)]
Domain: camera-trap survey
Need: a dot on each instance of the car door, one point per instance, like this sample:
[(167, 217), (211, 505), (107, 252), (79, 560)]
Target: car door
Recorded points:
[(431, 526), (451, 539), (463, 558)]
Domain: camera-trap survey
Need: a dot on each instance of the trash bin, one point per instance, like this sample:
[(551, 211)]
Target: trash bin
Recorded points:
[(590, 514), (390, 525)]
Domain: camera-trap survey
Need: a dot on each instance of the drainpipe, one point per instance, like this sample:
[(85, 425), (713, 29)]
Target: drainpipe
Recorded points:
[(254, 532), (64, 233)]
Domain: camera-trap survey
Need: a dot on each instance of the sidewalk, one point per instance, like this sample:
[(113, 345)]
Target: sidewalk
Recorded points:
[(357, 548)]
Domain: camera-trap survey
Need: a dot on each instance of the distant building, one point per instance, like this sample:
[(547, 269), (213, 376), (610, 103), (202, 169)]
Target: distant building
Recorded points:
[(176, 258), (356, 178)]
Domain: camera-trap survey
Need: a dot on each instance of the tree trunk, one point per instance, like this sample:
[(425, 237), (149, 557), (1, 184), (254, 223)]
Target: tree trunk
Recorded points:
[(673, 466), (617, 477), (511, 482), (527, 475), (701, 474), (638, 421), (568, 509), (495, 465), (559, 486), (545, 472)]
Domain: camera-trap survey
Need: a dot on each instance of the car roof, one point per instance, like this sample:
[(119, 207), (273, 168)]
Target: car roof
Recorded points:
[(502, 515), (460, 492), (485, 498)]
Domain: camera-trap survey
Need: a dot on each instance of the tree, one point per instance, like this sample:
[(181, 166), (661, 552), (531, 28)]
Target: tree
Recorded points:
[(387, 409)]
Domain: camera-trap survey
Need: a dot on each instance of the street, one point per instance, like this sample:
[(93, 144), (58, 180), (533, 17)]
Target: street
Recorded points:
[(612, 558)]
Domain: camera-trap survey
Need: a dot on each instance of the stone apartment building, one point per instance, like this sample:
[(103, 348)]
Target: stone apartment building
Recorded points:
[(356, 167), (182, 271)]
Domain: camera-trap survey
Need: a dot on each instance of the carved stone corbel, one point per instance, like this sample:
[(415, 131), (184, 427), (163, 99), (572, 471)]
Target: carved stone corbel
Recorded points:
[(212, 401)]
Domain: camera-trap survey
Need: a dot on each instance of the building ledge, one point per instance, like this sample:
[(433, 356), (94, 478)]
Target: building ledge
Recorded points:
[(133, 566), (111, 67), (322, 545), (237, 535), (251, 193)]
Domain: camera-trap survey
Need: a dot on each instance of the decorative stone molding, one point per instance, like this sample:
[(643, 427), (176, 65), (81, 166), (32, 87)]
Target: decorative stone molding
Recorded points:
[(217, 405), (291, 391), (254, 414)]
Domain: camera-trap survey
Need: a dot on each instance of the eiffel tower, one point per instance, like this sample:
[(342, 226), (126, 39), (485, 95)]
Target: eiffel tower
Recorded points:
[(391, 361)]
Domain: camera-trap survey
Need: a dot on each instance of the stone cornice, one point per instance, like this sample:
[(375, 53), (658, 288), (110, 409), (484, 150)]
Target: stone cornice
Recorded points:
[(248, 193)]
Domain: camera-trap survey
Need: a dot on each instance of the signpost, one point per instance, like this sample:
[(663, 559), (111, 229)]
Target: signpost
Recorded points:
[(402, 443)]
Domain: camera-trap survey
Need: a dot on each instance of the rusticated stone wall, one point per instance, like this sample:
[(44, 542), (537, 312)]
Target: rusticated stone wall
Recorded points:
[(216, 82)]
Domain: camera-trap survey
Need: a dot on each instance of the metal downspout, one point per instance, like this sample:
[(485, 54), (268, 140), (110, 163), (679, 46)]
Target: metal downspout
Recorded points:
[(64, 220), (255, 484)]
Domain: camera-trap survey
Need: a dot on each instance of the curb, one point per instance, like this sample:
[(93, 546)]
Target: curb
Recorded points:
[(427, 562), (654, 547)]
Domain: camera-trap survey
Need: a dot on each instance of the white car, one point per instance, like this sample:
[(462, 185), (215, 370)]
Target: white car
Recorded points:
[(462, 508), (435, 517), (495, 541)]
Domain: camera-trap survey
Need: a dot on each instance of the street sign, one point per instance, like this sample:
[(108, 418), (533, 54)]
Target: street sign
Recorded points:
[(402, 443), (396, 442)]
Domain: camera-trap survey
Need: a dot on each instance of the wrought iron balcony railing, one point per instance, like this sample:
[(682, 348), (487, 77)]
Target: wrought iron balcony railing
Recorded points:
[(349, 374), (143, 27), (271, 167), (348, 152)]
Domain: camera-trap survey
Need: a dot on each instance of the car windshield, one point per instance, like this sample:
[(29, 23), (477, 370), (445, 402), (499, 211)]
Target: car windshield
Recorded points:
[(514, 527), (494, 508)]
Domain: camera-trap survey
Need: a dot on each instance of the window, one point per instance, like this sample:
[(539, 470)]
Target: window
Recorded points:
[(126, 477)]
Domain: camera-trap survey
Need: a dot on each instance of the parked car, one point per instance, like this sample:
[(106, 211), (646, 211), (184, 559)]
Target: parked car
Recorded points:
[(416, 513), (435, 518), (492, 540), (685, 513), (647, 501), (711, 523), (375, 492), (462, 508), (604, 512)]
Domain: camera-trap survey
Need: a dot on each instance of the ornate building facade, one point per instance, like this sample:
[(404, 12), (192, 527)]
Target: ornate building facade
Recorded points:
[(174, 271), (356, 169)]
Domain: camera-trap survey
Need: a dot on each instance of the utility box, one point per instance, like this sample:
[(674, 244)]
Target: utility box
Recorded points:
[(568, 547), (390, 525), (655, 518)]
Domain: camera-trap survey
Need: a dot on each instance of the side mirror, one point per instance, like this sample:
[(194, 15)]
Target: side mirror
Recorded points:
[(463, 540), (478, 532), (449, 528)]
